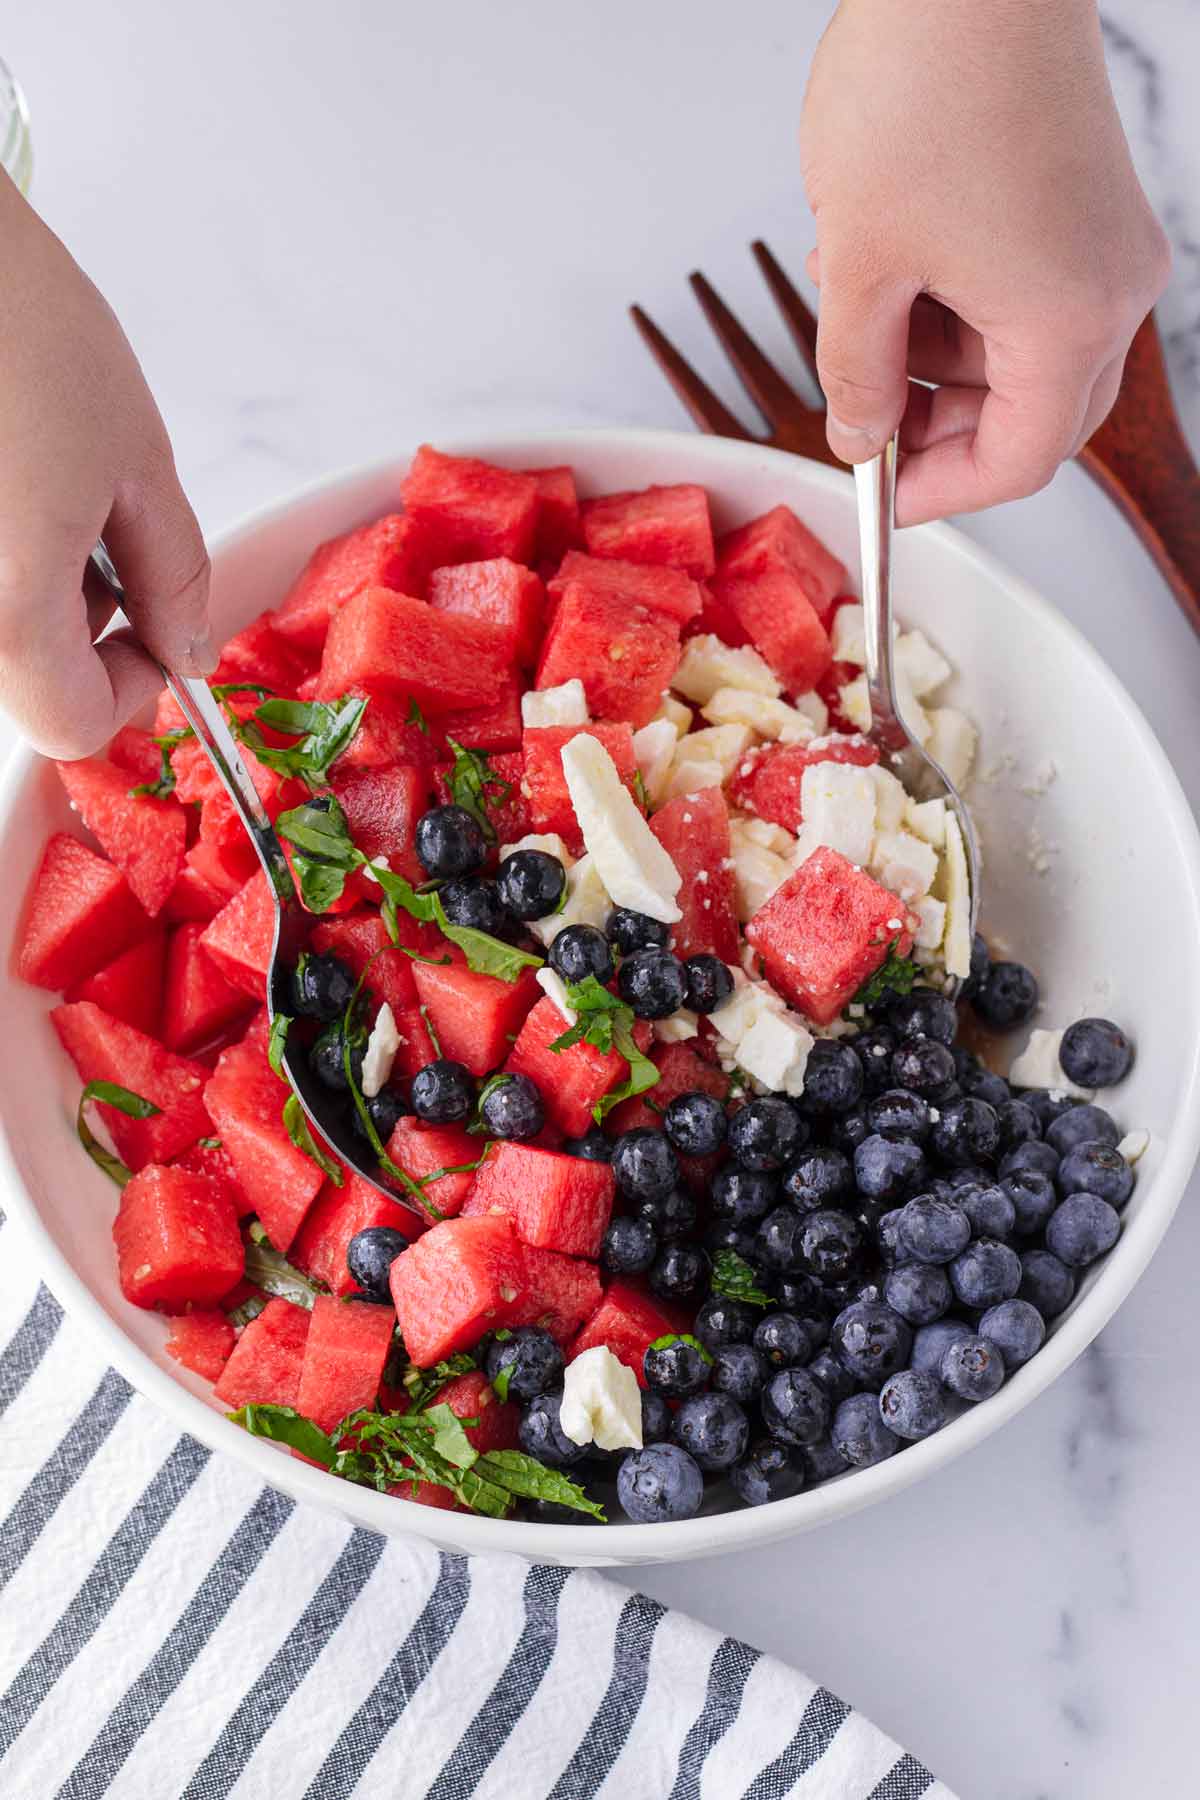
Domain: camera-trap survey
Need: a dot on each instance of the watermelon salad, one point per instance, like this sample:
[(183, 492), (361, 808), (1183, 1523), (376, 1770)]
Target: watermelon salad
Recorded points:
[(635, 972)]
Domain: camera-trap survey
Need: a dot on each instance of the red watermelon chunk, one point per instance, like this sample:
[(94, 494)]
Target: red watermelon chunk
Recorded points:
[(202, 1341), (259, 654), (387, 733), (624, 655), (245, 1101), (779, 619), (239, 940), (199, 1002), (693, 829), (131, 986), (557, 527), (79, 915), (628, 1320), (768, 781), (825, 931), (335, 1216), (472, 510), (382, 807), (106, 1049), (560, 1293), (550, 807), (344, 1353), (359, 936), (668, 525), (136, 751), (177, 1240), (496, 726), (206, 882), (716, 618), (420, 1150), (416, 1046), (472, 1396), (392, 552), (778, 544), (459, 1280), (208, 1157), (556, 1202), (387, 643), (572, 1081), (500, 593), (680, 1071), (475, 1017), (265, 1367), (509, 813), (146, 838), (668, 591)]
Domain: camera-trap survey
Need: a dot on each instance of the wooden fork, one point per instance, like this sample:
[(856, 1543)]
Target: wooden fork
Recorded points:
[(1139, 456)]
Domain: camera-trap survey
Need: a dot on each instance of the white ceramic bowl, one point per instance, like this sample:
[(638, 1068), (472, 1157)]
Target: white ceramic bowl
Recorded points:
[(1111, 924)]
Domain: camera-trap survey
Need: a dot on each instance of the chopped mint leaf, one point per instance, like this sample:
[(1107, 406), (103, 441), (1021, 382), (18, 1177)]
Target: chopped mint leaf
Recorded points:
[(165, 784), (277, 1042), (501, 1380), (639, 791), (522, 1475), (431, 1029), (470, 781), (250, 1308), (895, 975), (296, 1125), (208, 1143), (325, 730), (643, 1074), (681, 1337), (284, 1425), (268, 1269), (449, 1438), (132, 1105), (486, 955), (734, 1279), (324, 852), (605, 1021), (422, 1384), (417, 717)]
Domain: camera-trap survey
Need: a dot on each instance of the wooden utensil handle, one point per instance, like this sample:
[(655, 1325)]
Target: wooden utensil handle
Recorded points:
[(1159, 494)]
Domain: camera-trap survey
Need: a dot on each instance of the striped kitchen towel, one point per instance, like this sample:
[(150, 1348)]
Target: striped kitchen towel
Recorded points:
[(172, 1630)]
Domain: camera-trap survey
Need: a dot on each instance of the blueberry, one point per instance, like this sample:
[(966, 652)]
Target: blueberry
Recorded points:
[(1007, 995), (818, 1177), (659, 1484), (1083, 1125), (1095, 1169), (652, 983), (709, 983), (1082, 1229), (875, 1050), (321, 987), (766, 1134), (967, 1175), (578, 951), (743, 1195), (898, 1114), (822, 1461), (1033, 1198), (672, 1215), (981, 1084), (1034, 1157), (966, 1131), (631, 931), (885, 1168), (1095, 1053), (740, 1371), (933, 1231), (443, 1092), (540, 1433), (513, 1108), (859, 1435), (1018, 1122), (931, 1342), (533, 1359), (629, 1247), (780, 1240), (1048, 1106), (385, 1109), (593, 1146), (784, 1340), (724, 1321), (1017, 1329), (923, 1013), (919, 1292), (795, 1407), (847, 1130), (972, 1368), (833, 1376), (767, 1472), (980, 964), (1046, 1283), (657, 1419), (872, 1340), (912, 1404), (644, 1164), (887, 1236), (923, 1066), (990, 1210), (713, 1429), (831, 1244), (725, 1234), (675, 1368), (695, 1123), (531, 884), (986, 1273), (369, 1258), (833, 1077), (681, 1272), (473, 902), (801, 1294), (449, 842)]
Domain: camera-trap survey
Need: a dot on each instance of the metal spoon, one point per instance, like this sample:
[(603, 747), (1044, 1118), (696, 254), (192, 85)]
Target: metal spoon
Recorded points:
[(920, 775), (293, 924)]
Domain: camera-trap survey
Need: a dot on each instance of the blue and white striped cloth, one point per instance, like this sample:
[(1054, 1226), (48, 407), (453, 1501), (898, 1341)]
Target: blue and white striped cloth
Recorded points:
[(171, 1630)]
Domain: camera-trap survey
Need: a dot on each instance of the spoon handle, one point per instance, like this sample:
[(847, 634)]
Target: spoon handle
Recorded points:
[(875, 488)]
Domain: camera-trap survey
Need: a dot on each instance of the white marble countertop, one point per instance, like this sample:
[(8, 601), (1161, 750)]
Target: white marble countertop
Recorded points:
[(333, 230)]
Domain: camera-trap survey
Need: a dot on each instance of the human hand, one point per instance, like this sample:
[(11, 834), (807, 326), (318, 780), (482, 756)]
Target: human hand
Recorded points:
[(83, 454), (980, 226)]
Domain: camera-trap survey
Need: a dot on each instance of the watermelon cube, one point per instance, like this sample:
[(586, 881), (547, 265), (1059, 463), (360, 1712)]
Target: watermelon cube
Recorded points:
[(392, 552), (145, 838), (768, 781), (560, 1293), (459, 1280), (131, 986), (624, 655), (210, 1158), (716, 618), (681, 1070), (572, 1081), (387, 733), (509, 812), (106, 1049), (335, 1216), (472, 510), (206, 882), (549, 802), (265, 1367), (496, 726), (199, 1002), (781, 622), (80, 914), (472, 1396), (475, 1017), (693, 829), (500, 593), (382, 807), (260, 654), (358, 936), (385, 643), (668, 591), (825, 931), (177, 1240), (778, 544), (420, 1150), (668, 525), (245, 1102), (202, 1341), (556, 1202), (416, 1046), (241, 937), (628, 1320), (344, 1353), (136, 751), (557, 526)]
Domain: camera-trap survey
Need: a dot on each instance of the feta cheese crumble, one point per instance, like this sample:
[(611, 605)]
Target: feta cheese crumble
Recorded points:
[(707, 664), (562, 705), (633, 866), (601, 1403), (1038, 1066), (380, 1053)]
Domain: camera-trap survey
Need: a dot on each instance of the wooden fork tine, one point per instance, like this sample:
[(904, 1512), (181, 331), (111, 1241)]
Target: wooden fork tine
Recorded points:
[(709, 413), (800, 321), (761, 379)]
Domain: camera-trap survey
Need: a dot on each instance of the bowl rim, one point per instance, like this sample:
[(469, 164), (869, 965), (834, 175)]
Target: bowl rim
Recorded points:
[(740, 1528)]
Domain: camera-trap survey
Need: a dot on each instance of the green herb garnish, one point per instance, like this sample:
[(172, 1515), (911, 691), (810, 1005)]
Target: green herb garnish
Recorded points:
[(734, 1279), (605, 1021), (895, 975), (416, 717), (132, 1105), (324, 729), (296, 1125), (681, 1337), (270, 1270), (470, 781), (281, 1024), (284, 1425), (208, 1143), (164, 786)]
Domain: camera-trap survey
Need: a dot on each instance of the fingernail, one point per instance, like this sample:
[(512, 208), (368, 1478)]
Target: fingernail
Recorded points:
[(856, 441), (202, 654)]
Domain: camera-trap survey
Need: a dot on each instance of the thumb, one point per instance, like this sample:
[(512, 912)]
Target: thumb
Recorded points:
[(156, 544), (862, 356)]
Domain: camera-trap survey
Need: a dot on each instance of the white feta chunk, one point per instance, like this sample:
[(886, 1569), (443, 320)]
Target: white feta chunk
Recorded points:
[(654, 747), (856, 705), (1133, 1146), (549, 841), (904, 863), (691, 774), (679, 715), (767, 718), (890, 799), (932, 929), (601, 1403), (565, 704), (757, 873), (747, 828), (678, 1028), (723, 744), (951, 743), (848, 638), (814, 708), (708, 664), (775, 1051), (586, 903), (380, 1053), (633, 866), (555, 988), (1038, 1066), (927, 819), (837, 805), (954, 887), (924, 667)]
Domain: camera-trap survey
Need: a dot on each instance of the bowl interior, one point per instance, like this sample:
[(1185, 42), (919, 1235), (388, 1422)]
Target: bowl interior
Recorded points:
[(1090, 875)]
